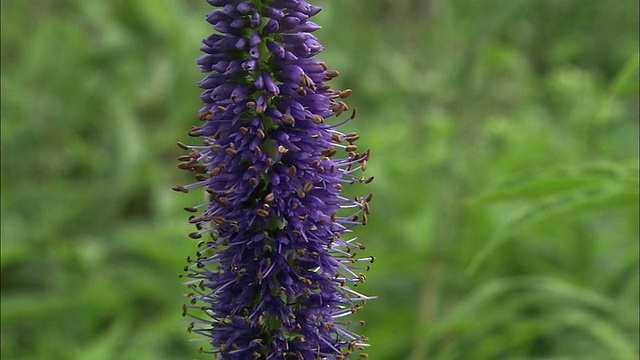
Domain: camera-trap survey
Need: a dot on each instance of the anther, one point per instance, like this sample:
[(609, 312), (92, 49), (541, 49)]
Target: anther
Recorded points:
[(330, 74), (345, 93), (262, 212), (195, 235), (368, 199), (207, 115), (329, 152), (190, 209), (317, 119), (301, 194), (200, 168), (288, 119), (183, 146), (180, 188), (221, 200), (270, 197), (307, 186), (260, 133), (352, 137)]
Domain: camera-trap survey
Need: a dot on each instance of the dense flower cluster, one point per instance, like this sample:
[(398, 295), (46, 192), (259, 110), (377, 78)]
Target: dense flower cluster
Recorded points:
[(274, 273)]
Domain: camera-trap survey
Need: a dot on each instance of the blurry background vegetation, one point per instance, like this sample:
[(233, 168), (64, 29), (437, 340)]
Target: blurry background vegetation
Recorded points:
[(505, 151)]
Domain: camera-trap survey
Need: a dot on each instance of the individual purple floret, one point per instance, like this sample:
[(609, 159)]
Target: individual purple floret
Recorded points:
[(274, 273)]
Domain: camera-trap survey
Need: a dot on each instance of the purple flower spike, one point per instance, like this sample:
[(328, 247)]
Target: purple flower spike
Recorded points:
[(276, 264)]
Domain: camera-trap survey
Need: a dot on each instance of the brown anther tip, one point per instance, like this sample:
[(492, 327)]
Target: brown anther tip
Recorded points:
[(180, 188), (269, 197), (300, 193), (354, 114), (368, 180), (329, 152), (351, 148), (183, 146), (260, 133), (352, 138), (345, 93), (330, 74), (195, 235), (206, 115), (317, 119), (250, 104), (288, 119), (364, 165), (230, 151), (307, 186), (282, 149), (262, 212), (190, 209), (369, 198), (199, 168), (221, 200)]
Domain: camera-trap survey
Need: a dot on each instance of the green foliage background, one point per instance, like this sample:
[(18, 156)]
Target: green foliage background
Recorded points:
[(505, 151)]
